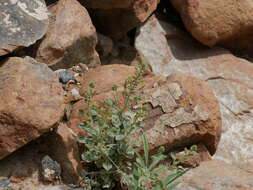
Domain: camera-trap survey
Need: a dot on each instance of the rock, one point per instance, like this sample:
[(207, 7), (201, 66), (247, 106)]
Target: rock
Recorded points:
[(106, 76), (62, 147), (64, 75), (116, 19), (216, 175), (179, 116), (51, 170), (31, 103), (219, 22), (4, 182), (22, 23), (170, 50), (71, 37), (194, 160)]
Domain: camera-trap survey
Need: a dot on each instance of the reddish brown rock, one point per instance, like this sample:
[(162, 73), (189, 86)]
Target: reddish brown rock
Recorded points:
[(31, 103), (219, 22), (216, 175), (187, 117), (180, 115), (62, 147), (230, 78), (71, 37), (106, 76), (117, 18)]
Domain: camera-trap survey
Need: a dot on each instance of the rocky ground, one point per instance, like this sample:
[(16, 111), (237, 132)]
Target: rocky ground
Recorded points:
[(199, 84)]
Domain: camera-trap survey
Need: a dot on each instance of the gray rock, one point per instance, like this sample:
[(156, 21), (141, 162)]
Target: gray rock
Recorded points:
[(22, 23), (64, 75), (51, 169), (4, 182)]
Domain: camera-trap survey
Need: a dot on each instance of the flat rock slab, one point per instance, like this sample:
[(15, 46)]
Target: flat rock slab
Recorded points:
[(22, 23), (168, 50), (216, 175)]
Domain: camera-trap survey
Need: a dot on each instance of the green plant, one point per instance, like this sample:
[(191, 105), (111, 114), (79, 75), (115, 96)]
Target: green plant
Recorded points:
[(110, 126), (109, 144), (148, 172)]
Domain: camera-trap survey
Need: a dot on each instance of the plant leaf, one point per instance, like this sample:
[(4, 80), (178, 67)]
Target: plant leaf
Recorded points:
[(156, 160), (109, 102), (146, 149), (107, 165), (173, 185), (139, 160)]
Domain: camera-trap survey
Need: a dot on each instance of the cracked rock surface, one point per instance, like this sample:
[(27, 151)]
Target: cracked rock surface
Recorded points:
[(229, 77), (186, 116)]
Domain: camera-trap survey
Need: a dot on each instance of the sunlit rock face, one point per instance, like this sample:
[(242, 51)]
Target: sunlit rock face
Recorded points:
[(168, 50)]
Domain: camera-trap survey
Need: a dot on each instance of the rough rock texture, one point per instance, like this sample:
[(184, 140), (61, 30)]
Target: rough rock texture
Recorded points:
[(169, 50), (216, 175), (62, 147), (22, 23), (186, 116), (116, 18), (179, 116), (71, 37), (31, 103), (51, 169), (213, 22)]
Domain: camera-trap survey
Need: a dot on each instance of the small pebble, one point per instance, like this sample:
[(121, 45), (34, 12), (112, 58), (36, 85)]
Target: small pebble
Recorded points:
[(75, 92)]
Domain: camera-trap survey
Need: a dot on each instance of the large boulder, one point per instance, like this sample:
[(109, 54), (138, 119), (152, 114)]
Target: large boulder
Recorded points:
[(116, 18), (214, 22), (170, 50), (71, 37), (31, 102), (179, 116), (22, 23), (216, 175)]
